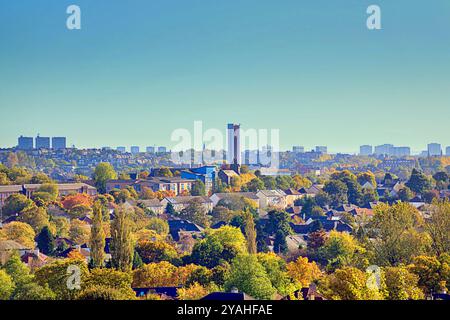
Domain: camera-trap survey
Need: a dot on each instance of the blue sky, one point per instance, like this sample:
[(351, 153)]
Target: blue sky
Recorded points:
[(139, 69)]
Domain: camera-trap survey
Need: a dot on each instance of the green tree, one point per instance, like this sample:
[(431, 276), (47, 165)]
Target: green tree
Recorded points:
[(405, 194), (158, 225), (46, 241), (280, 244), (6, 285), (255, 185), (398, 239), (249, 276), (56, 276), (418, 182), (14, 204), (250, 232), (97, 239), (102, 173), (121, 246), (196, 213), (337, 190), (198, 188)]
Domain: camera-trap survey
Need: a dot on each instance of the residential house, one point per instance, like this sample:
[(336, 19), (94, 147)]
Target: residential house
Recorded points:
[(272, 198), (177, 228), (182, 202), (292, 195), (216, 197)]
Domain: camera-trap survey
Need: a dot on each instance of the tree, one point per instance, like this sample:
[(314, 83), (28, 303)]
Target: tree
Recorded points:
[(401, 284), (337, 190), (102, 173), (45, 241), (405, 194), (365, 177), (137, 261), (230, 237), (121, 246), (14, 205), (170, 209), (113, 279), (278, 220), (20, 232), (438, 226), (76, 199), (162, 274), (47, 192), (348, 283), (56, 276), (341, 249), (250, 232), (397, 239), (97, 240), (198, 188), (194, 292), (36, 217), (156, 251), (79, 232), (418, 182), (301, 182), (433, 273), (196, 213), (280, 244), (275, 268), (303, 272), (249, 276), (255, 185), (103, 293), (160, 226), (6, 285)]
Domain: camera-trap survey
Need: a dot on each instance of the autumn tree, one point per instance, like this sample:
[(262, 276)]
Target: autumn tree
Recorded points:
[(250, 232), (162, 274), (196, 213), (20, 232), (397, 238), (401, 284), (97, 239), (102, 173), (6, 285), (303, 272), (79, 232), (14, 205), (438, 227), (121, 244), (194, 292)]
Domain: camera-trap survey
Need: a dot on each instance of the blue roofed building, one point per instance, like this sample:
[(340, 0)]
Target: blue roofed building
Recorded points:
[(207, 174)]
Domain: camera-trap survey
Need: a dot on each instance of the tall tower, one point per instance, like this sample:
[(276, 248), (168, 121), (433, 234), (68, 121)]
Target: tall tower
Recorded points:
[(234, 144)]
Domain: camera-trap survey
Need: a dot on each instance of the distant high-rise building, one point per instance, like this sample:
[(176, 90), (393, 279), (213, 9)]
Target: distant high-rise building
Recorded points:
[(447, 151), (384, 150), (25, 143), (151, 149), (162, 149), (434, 149), (322, 149), (234, 144), (134, 149), (298, 149), (59, 143), (365, 150), (401, 151), (121, 149), (42, 142)]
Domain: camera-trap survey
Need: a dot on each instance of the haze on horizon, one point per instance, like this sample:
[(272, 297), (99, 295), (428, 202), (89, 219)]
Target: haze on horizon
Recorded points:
[(137, 71)]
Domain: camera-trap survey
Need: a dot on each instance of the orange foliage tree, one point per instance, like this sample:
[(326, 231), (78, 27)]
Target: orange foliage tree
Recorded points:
[(73, 200)]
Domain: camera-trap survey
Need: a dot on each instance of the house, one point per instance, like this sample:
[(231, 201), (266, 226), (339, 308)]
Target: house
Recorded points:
[(311, 191), (6, 191), (175, 184), (292, 195), (226, 176), (368, 186), (63, 189), (216, 197), (272, 198), (179, 227), (327, 224), (227, 296), (153, 205), (35, 259), (7, 248), (165, 293), (295, 242), (309, 293), (180, 203)]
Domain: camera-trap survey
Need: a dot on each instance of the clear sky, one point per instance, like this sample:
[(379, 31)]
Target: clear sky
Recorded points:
[(139, 69)]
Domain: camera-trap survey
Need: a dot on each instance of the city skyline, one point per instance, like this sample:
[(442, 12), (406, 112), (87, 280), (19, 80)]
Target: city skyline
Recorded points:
[(135, 73), (31, 142)]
